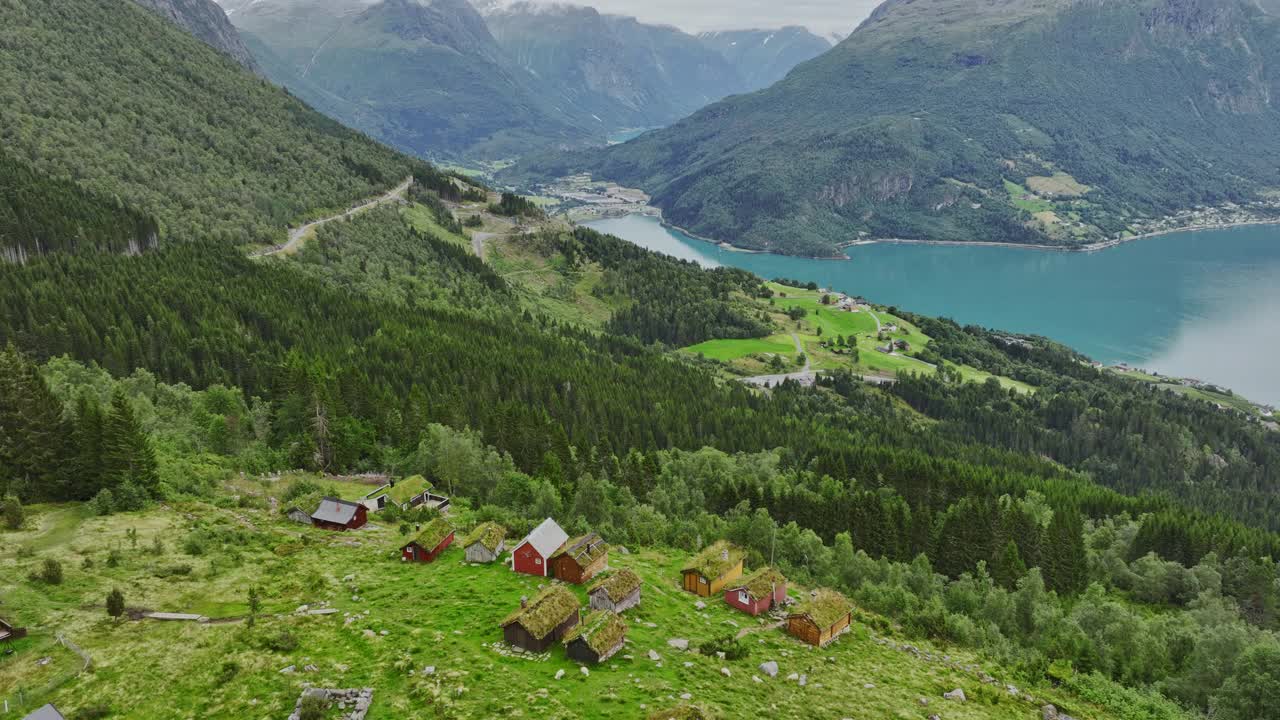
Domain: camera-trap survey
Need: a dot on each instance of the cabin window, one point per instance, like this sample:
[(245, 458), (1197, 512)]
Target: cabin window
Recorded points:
[(702, 581), (537, 561), (743, 597)]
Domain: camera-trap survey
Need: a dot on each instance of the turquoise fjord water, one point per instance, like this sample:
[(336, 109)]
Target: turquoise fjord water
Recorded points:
[(1202, 304)]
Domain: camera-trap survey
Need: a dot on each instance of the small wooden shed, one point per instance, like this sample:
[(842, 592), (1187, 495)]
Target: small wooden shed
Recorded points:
[(298, 515), (532, 555), (337, 514), (541, 622), (712, 569), (821, 618), (485, 543), (580, 559), (9, 633), (597, 638), (427, 546), (617, 592), (759, 593)]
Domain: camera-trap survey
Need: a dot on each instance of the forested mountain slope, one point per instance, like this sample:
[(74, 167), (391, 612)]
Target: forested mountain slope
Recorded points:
[(175, 129), (207, 21), (1024, 121), (763, 57)]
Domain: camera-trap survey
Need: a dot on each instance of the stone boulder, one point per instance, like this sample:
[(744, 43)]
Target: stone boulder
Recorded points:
[(956, 695), (769, 668)]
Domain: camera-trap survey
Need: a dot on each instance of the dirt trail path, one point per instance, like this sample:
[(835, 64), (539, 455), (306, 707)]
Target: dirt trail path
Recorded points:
[(296, 235)]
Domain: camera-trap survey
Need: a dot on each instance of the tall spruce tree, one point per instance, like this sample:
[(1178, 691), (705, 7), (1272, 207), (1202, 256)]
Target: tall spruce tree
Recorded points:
[(128, 461), (33, 433)]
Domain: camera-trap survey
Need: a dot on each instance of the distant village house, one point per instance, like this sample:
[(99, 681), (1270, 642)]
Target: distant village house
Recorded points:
[(580, 559), (427, 546), (597, 638), (762, 591), (485, 543), (711, 570), (532, 555), (821, 618), (408, 493), (298, 515), (45, 712), (619, 592), (336, 514), (540, 623)]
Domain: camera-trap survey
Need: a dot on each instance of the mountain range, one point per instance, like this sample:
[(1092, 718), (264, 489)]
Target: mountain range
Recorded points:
[(205, 20), (439, 79), (1059, 122)]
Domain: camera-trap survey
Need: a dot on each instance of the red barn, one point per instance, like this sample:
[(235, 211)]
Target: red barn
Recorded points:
[(335, 514), (432, 541), (532, 555), (759, 593)]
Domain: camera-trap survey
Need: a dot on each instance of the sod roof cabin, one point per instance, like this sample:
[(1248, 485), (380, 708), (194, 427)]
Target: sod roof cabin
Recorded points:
[(485, 543), (618, 592), (427, 546), (712, 569), (760, 592), (408, 493), (597, 638), (541, 622), (580, 559), (821, 618), (337, 514)]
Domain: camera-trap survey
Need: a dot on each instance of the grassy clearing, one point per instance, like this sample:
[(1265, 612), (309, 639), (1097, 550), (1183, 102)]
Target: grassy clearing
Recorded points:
[(727, 350), (445, 615), (1024, 199), (1060, 184), (422, 219)]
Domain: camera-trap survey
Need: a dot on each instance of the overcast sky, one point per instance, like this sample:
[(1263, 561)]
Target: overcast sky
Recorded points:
[(822, 16)]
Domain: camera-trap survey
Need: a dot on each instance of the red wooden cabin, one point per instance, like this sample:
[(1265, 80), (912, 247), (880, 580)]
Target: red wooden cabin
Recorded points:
[(433, 540), (335, 514), (532, 556), (763, 590)]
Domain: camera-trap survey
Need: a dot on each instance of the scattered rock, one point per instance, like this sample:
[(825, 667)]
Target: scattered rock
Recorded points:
[(688, 664), (678, 643), (44, 661), (869, 686), (719, 655), (686, 696), (1049, 712), (769, 668), (756, 678), (793, 677), (302, 608), (289, 670), (585, 671), (429, 670), (924, 702), (700, 605), (725, 672), (560, 674), (654, 656), (349, 578), (384, 633), (623, 549), (957, 695), (370, 634), (804, 680)]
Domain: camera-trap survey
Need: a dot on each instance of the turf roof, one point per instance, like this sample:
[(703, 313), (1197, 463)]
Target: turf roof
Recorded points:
[(546, 612), (602, 630), (825, 609), (617, 586), (434, 533), (761, 582), (408, 489), (585, 549), (489, 534), (712, 562)]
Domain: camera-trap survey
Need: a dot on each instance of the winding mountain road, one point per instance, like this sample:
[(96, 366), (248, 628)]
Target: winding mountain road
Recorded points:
[(805, 377), (297, 234)]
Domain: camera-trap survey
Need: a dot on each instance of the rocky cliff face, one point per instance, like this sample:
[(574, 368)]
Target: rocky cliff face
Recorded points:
[(206, 20)]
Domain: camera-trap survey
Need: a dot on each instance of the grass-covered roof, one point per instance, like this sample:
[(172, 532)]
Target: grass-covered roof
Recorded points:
[(546, 611), (761, 582), (602, 630), (618, 586), (489, 534), (585, 549), (408, 489), (826, 608), (716, 560), (434, 533)]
